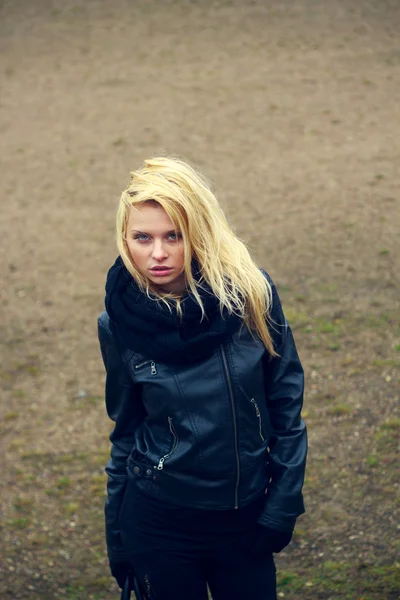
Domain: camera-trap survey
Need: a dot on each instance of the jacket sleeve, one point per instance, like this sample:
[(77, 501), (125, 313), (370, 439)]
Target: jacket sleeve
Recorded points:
[(125, 408), (284, 385)]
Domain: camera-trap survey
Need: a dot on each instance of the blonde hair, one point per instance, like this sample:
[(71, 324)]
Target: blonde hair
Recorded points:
[(224, 261)]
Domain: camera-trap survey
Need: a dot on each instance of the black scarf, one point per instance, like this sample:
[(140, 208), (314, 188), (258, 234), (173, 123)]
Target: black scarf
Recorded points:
[(149, 327)]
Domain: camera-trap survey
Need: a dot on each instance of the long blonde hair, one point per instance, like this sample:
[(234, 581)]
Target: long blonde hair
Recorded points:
[(224, 261)]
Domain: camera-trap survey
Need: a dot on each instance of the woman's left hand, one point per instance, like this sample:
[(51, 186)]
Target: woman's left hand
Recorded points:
[(265, 540)]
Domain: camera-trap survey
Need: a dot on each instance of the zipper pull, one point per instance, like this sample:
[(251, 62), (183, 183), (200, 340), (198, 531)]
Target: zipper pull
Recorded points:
[(160, 465), (153, 368)]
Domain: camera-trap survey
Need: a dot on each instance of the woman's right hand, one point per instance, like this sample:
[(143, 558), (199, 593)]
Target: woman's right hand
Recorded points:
[(265, 540), (120, 571)]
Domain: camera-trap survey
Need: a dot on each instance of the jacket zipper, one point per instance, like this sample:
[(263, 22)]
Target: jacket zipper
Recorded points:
[(228, 378), (160, 465), (148, 362), (258, 414)]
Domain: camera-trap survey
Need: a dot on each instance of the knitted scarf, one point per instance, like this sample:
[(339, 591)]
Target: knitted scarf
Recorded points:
[(146, 325)]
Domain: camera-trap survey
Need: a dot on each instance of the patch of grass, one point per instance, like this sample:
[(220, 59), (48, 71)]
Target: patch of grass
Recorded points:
[(383, 251), (63, 483), (296, 318), (341, 580), (72, 508), (339, 410), (393, 423), (23, 504), (31, 367), (33, 370), (19, 523), (372, 460), (31, 454), (5, 375), (39, 539), (354, 371), (94, 399), (333, 346), (329, 288), (98, 485), (386, 362), (327, 327), (11, 415), (52, 492), (397, 347), (16, 443)]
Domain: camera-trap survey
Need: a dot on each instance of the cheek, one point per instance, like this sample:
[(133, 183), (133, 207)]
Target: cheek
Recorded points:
[(137, 253), (181, 254)]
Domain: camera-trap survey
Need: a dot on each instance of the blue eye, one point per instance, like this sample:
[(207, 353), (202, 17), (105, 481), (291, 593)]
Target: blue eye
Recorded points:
[(175, 236), (141, 237)]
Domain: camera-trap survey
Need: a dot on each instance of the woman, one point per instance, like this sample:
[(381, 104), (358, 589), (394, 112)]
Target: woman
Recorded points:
[(205, 387)]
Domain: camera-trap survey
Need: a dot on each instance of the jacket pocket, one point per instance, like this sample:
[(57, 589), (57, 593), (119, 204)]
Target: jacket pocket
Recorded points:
[(152, 366), (259, 419), (175, 442)]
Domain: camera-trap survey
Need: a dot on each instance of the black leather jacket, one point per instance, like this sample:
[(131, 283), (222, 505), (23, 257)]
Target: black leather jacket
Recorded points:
[(213, 435)]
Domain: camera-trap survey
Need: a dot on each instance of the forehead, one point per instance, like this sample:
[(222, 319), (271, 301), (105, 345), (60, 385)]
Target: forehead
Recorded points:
[(149, 217)]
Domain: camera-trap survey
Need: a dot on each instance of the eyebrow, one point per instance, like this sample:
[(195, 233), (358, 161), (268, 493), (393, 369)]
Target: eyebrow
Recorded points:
[(149, 234)]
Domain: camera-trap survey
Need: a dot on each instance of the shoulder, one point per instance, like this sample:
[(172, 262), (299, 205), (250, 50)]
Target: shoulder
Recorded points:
[(272, 291), (275, 311), (268, 278)]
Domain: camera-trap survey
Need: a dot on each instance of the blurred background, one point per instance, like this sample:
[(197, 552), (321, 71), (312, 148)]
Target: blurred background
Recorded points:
[(292, 109)]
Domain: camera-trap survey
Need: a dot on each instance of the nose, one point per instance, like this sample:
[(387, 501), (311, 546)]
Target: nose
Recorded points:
[(159, 251)]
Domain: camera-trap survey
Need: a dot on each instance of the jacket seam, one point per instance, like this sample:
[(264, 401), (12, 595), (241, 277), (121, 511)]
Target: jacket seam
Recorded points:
[(188, 412)]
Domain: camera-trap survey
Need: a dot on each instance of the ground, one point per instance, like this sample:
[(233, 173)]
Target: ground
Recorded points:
[(292, 109)]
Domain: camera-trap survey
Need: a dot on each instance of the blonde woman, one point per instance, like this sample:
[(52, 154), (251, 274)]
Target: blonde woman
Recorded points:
[(206, 388)]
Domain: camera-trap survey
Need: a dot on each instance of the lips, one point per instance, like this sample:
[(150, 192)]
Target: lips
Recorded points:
[(161, 270)]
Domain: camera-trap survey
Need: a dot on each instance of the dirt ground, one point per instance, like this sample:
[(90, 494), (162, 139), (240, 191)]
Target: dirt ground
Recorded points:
[(292, 108)]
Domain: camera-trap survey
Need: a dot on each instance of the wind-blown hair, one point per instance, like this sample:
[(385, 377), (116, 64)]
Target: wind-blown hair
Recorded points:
[(224, 261)]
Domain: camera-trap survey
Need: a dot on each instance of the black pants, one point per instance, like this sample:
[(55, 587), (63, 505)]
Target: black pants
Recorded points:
[(175, 552)]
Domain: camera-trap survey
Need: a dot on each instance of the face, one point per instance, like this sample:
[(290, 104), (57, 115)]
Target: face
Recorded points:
[(156, 247)]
